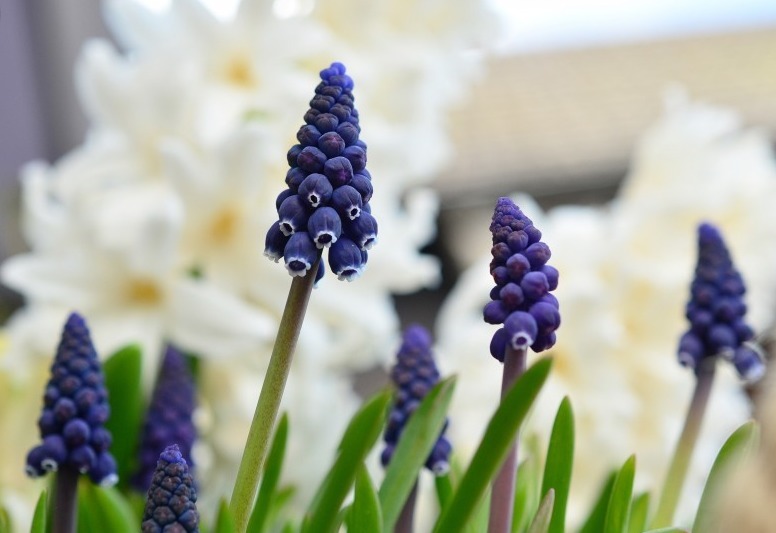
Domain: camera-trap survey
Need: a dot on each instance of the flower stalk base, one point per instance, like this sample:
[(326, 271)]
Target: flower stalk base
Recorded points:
[(503, 493), (249, 473), (65, 505)]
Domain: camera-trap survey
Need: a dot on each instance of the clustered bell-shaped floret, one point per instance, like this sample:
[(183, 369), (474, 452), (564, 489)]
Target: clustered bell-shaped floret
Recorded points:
[(172, 497), (169, 417), (716, 311), (75, 409), (521, 301), (414, 375), (326, 204)]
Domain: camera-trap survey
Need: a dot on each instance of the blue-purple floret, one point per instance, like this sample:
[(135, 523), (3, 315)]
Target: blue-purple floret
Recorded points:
[(521, 300), (168, 418), (717, 312), (327, 173), (414, 375), (75, 409), (172, 497)]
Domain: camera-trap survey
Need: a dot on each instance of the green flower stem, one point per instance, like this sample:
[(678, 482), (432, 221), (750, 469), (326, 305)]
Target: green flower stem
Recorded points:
[(502, 497), (249, 473), (672, 488), (65, 505), (405, 522)]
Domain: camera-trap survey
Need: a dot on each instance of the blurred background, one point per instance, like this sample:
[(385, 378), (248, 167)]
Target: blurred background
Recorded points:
[(571, 85)]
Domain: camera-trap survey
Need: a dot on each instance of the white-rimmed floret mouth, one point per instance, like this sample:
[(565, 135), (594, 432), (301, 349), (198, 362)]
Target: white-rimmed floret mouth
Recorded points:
[(521, 340), (298, 267)]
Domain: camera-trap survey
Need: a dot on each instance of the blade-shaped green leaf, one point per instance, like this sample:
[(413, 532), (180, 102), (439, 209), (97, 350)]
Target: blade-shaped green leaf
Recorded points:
[(224, 519), (415, 444), (492, 451), (528, 485), (104, 509), (444, 490), (668, 530), (365, 513), (269, 481), (123, 381), (595, 521), (361, 434), (543, 518), (739, 445), (618, 512), (39, 518), (639, 513), (560, 461)]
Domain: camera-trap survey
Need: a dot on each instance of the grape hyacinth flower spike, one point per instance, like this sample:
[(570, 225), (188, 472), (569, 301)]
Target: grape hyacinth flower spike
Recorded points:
[(326, 206), (522, 303), (414, 375), (72, 423), (717, 315), (172, 496), (169, 417)]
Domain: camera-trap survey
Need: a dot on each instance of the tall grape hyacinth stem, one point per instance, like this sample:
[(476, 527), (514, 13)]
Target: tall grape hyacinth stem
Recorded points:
[(65, 505), (672, 488), (249, 473), (503, 494), (407, 517)]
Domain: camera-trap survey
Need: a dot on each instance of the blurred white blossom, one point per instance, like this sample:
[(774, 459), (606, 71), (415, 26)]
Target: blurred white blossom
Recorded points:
[(625, 271), (154, 227)]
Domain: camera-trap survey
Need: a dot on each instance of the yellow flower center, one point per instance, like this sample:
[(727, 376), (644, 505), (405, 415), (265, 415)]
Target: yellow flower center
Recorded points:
[(225, 224), (240, 72), (144, 292)]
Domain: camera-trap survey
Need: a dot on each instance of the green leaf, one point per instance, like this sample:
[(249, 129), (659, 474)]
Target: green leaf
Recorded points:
[(618, 512), (639, 513), (365, 513), (543, 519), (528, 485), (444, 490), (39, 518), (595, 521), (559, 463), (668, 530), (123, 381), (415, 444), (104, 509), (269, 480), (494, 447), (360, 435), (739, 445), (224, 519)]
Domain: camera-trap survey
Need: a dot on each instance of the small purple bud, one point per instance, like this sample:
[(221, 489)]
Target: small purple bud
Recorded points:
[(322, 103), (103, 473), (76, 432), (311, 159), (537, 254), (315, 190), (285, 193), (331, 144), (324, 226), (346, 130), (512, 296), (546, 315), (293, 215), (294, 178), (363, 230), (308, 135), (55, 449), (722, 338), (552, 276), (345, 259), (363, 185), (293, 153), (521, 329), (357, 157), (517, 266), (338, 170), (501, 252), (495, 312), (275, 242), (326, 122), (748, 363), (690, 350), (517, 241), (534, 285), (300, 253), (498, 344), (342, 113), (544, 342), (347, 201), (500, 275), (534, 235), (82, 458)]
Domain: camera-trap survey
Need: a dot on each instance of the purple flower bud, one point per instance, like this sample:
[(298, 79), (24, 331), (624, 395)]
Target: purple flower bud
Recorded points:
[(82, 458), (326, 122), (293, 153), (521, 329), (414, 374), (357, 157), (308, 135), (103, 472), (293, 215), (518, 266), (76, 432), (311, 159), (172, 496), (275, 242), (349, 132), (517, 241), (331, 144), (362, 230), (338, 170), (501, 253), (690, 349), (749, 363), (300, 253), (551, 273), (498, 344), (347, 201), (324, 226), (495, 312), (537, 254), (512, 297), (345, 259), (544, 341), (363, 185), (546, 315), (294, 178), (315, 190), (56, 452), (285, 193), (534, 285), (722, 338)]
